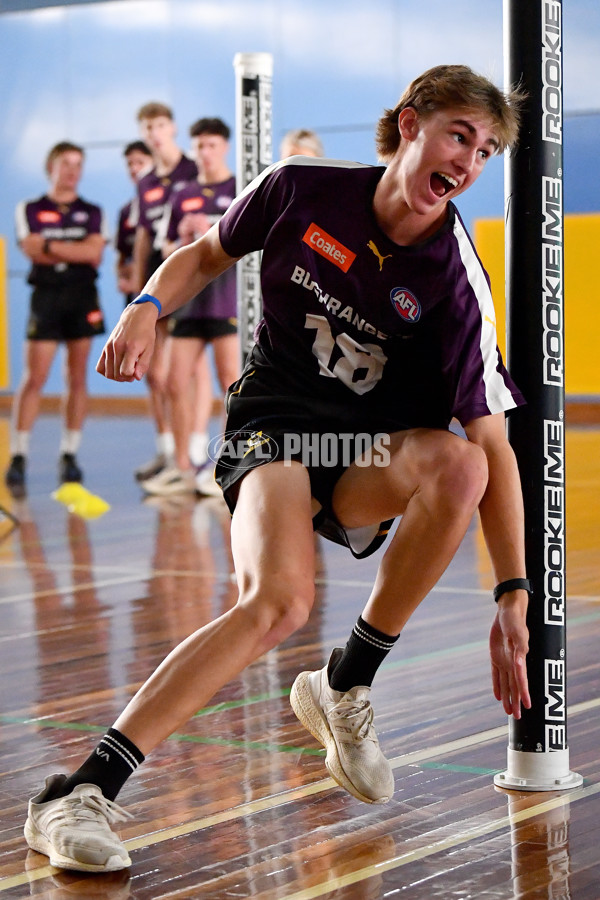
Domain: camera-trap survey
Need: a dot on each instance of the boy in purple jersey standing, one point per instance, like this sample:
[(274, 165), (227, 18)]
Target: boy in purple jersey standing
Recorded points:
[(172, 168), (64, 237), (209, 318), (138, 159), (378, 328)]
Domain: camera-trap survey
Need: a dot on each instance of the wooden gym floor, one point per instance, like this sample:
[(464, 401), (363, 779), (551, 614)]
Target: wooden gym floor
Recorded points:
[(239, 803)]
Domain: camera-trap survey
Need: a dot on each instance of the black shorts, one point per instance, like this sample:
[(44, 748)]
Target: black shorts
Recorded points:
[(204, 329), (265, 426), (64, 313)]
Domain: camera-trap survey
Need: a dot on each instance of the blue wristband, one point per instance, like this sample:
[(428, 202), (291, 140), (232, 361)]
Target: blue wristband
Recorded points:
[(148, 298)]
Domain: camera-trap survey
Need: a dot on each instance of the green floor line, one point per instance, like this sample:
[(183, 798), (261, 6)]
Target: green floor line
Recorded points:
[(224, 706), (176, 736), (466, 770), (237, 704), (247, 745)]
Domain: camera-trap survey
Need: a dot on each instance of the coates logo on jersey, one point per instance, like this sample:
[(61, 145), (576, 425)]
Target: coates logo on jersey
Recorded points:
[(192, 204), (406, 304), (328, 247), (48, 216), (153, 195)]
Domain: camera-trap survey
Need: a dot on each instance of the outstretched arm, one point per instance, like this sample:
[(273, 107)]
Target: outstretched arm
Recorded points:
[(502, 520), (127, 353)]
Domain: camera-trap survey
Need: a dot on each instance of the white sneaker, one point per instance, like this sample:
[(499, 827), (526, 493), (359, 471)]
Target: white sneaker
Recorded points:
[(171, 481), (343, 723), (206, 484), (74, 831), (151, 468)]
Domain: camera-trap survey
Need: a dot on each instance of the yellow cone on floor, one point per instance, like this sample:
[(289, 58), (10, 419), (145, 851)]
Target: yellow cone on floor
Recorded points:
[(80, 501)]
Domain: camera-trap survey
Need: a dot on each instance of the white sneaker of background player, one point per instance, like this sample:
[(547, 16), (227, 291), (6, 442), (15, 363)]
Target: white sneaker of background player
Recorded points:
[(206, 484), (171, 481)]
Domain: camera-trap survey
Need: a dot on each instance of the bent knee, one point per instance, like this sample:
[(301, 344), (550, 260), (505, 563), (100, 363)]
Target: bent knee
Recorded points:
[(277, 611), (462, 473)]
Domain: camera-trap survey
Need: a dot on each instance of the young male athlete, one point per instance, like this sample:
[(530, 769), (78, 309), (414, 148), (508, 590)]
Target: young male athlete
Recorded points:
[(172, 169), (377, 321), (138, 158), (209, 318), (63, 237)]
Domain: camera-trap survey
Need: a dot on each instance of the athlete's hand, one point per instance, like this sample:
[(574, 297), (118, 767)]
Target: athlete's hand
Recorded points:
[(127, 353), (509, 643)]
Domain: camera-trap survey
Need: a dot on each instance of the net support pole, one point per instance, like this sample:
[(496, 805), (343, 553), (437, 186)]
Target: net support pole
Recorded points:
[(254, 152), (538, 754)]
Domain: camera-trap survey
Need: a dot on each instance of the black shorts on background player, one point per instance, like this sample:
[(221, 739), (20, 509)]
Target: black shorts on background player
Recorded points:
[(64, 313)]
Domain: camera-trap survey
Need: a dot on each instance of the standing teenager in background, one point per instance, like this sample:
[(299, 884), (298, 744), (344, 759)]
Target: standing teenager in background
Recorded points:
[(63, 236)]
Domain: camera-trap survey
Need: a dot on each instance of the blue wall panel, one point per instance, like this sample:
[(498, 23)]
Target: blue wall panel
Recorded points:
[(81, 72)]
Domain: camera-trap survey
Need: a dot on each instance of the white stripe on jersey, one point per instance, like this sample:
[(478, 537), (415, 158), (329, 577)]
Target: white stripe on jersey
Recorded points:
[(104, 227), (498, 396), (160, 236), (299, 161), (21, 223)]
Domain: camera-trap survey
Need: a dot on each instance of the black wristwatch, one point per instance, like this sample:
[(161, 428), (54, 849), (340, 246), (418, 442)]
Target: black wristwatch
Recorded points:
[(513, 584)]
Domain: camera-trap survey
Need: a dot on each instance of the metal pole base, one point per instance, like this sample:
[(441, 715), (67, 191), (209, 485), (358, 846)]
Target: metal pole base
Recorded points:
[(547, 771)]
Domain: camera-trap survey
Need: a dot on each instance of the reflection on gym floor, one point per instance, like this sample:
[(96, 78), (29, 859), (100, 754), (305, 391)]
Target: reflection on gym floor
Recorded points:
[(239, 804)]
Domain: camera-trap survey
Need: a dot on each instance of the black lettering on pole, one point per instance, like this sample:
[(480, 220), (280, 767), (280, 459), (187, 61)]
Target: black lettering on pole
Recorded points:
[(535, 345), (254, 153)]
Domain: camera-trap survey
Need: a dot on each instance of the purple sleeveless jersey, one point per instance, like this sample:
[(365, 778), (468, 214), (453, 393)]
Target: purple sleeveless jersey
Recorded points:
[(154, 192), (125, 236), (405, 334), (219, 299), (60, 222)]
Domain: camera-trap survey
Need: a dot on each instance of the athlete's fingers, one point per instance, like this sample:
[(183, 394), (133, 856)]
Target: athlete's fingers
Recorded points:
[(106, 363), (101, 364), (125, 360), (142, 363), (521, 680), (496, 686), (506, 692)]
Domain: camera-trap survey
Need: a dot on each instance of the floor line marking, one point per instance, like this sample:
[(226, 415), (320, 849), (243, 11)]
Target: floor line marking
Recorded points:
[(151, 573), (465, 836), (107, 582), (69, 589), (46, 722), (271, 802)]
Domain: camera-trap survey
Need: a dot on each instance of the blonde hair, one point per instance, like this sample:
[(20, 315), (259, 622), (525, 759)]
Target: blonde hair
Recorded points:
[(447, 86), (154, 110), (303, 139)]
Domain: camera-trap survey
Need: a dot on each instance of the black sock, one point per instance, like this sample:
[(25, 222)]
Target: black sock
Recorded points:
[(109, 766), (361, 657)]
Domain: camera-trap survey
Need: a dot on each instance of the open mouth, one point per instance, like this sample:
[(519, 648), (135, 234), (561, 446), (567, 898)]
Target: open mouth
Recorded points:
[(442, 184)]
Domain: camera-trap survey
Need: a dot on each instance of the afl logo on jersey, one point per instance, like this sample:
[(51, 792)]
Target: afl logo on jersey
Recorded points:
[(406, 304)]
